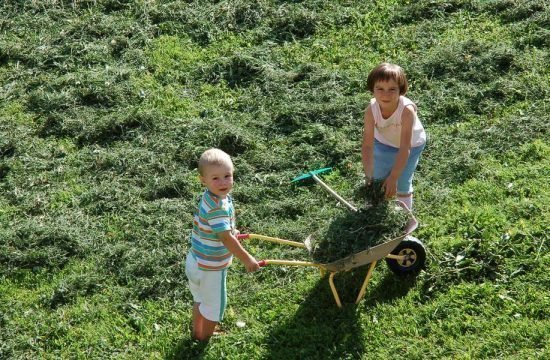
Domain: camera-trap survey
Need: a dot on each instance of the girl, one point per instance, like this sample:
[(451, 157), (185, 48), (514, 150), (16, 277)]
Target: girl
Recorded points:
[(393, 137)]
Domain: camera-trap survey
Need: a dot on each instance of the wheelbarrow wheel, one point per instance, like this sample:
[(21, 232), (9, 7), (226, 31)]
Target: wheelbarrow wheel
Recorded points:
[(415, 254)]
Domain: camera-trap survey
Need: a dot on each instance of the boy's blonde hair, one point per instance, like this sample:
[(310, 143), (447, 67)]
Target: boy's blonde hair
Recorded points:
[(385, 72), (214, 157)]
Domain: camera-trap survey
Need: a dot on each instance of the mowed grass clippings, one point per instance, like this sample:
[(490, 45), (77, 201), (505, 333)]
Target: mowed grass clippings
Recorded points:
[(106, 105), (350, 232)]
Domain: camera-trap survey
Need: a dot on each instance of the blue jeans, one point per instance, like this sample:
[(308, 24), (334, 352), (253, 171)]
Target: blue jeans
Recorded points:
[(384, 159)]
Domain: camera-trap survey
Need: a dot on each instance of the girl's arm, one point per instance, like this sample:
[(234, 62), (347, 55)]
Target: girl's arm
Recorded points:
[(367, 147), (407, 122)]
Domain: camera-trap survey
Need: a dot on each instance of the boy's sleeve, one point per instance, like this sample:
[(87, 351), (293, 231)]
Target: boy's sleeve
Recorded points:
[(219, 220)]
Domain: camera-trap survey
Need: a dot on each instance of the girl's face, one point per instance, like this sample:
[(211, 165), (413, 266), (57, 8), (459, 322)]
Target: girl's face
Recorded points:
[(387, 93), (218, 179)]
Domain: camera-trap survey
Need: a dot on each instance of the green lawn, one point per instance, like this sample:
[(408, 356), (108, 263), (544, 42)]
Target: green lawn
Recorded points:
[(106, 105)]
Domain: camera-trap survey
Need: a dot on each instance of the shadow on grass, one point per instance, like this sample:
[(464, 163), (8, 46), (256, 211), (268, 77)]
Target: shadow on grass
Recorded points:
[(389, 287), (188, 349), (321, 330)]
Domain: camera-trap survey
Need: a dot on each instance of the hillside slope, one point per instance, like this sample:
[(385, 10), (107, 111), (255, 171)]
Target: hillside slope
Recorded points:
[(106, 105)]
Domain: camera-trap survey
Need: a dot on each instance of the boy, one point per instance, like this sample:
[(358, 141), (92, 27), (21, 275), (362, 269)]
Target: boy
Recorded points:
[(213, 244)]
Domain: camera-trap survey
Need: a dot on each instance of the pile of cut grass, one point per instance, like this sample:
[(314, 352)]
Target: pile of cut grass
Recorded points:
[(378, 221)]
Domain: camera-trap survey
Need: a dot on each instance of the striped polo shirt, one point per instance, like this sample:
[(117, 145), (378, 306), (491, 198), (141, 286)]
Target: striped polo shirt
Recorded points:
[(213, 216)]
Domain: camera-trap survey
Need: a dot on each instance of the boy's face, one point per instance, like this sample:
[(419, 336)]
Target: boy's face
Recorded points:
[(218, 179), (386, 92)]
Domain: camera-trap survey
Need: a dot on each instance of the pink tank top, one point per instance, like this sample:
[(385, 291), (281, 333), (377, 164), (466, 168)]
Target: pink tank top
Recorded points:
[(388, 131)]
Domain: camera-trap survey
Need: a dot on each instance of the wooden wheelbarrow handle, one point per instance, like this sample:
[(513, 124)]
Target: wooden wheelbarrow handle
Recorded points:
[(321, 267), (272, 239), (263, 263)]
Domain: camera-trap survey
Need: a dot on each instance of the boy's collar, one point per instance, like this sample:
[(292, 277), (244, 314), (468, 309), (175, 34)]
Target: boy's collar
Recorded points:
[(211, 194)]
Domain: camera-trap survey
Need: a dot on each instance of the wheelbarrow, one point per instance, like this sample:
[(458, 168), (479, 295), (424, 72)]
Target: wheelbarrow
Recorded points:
[(404, 255)]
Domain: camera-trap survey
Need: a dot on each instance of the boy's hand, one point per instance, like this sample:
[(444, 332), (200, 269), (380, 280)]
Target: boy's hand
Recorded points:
[(234, 246), (236, 234), (251, 265)]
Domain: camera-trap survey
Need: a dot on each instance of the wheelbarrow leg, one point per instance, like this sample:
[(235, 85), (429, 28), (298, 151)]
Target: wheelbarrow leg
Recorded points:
[(365, 283), (333, 288)]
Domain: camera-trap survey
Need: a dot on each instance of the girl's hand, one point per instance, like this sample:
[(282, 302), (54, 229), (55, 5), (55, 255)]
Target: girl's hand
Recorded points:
[(368, 180), (390, 187)]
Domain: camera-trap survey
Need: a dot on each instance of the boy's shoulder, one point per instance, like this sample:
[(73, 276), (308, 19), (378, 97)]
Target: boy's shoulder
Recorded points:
[(209, 202)]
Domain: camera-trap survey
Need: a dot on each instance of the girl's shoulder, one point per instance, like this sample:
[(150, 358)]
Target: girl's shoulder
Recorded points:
[(406, 101), (408, 114), (369, 111), (372, 104)]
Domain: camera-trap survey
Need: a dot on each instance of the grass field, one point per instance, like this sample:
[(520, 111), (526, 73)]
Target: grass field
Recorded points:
[(105, 106)]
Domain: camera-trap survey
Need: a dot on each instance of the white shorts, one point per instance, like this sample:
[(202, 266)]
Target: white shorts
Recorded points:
[(208, 289)]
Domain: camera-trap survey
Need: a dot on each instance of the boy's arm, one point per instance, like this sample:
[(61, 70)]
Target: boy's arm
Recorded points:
[(235, 247), (367, 147), (407, 121)]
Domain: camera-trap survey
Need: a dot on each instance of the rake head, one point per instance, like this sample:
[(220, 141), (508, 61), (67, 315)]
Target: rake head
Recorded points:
[(310, 174)]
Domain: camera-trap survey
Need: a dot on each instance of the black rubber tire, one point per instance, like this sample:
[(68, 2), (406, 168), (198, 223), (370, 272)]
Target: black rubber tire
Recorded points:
[(416, 260)]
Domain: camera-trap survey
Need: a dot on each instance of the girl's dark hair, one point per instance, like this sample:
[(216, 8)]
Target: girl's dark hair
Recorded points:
[(385, 72)]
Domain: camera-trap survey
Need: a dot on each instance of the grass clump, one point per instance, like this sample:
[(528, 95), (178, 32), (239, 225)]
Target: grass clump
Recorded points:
[(351, 232), (430, 9), (69, 289), (373, 193), (237, 70), (295, 23), (33, 246), (515, 10)]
